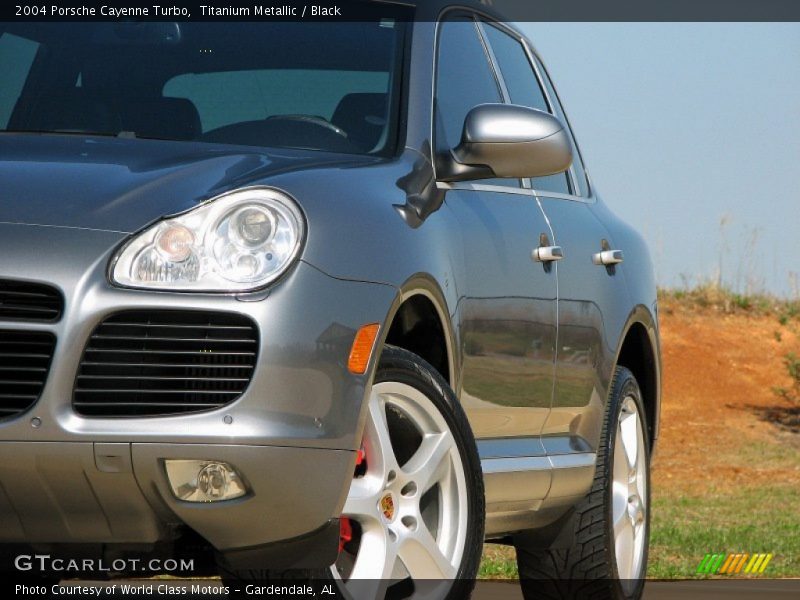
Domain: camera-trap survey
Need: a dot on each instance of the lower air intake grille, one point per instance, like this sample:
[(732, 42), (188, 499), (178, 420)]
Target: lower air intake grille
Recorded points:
[(23, 301), (24, 363), (155, 363)]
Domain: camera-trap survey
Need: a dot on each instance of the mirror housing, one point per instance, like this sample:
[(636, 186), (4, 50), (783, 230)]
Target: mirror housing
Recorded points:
[(506, 140)]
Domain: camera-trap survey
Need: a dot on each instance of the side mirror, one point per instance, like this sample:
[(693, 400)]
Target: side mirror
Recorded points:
[(505, 140)]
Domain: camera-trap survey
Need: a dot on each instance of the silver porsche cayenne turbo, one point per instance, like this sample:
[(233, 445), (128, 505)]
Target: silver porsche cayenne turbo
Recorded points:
[(302, 300)]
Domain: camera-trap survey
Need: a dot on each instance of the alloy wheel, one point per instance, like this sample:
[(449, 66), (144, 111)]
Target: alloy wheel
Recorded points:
[(407, 505), (629, 495)]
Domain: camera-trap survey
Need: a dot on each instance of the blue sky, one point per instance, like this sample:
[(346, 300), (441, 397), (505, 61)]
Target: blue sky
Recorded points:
[(691, 132)]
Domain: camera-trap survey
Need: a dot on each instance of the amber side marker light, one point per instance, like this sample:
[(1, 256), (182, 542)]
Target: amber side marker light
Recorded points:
[(362, 349)]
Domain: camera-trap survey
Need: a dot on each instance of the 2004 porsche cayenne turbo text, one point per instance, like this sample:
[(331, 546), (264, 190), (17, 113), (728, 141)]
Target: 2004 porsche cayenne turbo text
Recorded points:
[(117, 12), (313, 300)]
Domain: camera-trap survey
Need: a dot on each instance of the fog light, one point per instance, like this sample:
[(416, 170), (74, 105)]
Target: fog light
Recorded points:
[(204, 480)]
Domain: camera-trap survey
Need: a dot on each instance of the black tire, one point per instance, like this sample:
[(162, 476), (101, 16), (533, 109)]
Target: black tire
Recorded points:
[(399, 365), (588, 570)]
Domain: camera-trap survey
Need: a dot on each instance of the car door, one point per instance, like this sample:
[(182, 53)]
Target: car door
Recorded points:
[(507, 304), (577, 344), (588, 298)]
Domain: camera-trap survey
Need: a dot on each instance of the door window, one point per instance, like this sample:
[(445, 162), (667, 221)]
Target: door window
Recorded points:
[(464, 79), (524, 89)]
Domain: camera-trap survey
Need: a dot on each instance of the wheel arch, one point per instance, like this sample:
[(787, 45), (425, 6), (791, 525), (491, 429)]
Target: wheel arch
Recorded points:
[(420, 322), (639, 351)]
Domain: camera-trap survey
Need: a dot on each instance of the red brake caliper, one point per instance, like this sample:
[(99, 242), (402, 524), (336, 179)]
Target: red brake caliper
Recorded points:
[(345, 525), (345, 532)]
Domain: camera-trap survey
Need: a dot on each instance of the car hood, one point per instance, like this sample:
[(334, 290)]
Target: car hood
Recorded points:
[(117, 184)]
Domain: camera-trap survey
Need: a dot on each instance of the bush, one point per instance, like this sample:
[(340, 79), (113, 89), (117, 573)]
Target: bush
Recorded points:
[(792, 362)]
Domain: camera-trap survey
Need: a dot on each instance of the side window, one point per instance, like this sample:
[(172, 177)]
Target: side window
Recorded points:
[(524, 89), (519, 77), (16, 58), (577, 162), (464, 79)]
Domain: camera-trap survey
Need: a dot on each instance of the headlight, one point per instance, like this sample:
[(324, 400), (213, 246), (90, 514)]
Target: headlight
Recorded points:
[(240, 241)]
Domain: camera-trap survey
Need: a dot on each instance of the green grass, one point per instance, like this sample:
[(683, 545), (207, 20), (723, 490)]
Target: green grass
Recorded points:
[(746, 520), (499, 562), (769, 455), (684, 529), (710, 295)]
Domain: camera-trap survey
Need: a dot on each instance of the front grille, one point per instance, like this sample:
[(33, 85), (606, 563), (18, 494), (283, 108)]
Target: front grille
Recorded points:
[(22, 301), (155, 363), (25, 358)]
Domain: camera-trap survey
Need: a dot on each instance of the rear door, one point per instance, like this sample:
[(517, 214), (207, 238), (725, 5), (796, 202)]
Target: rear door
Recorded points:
[(507, 306)]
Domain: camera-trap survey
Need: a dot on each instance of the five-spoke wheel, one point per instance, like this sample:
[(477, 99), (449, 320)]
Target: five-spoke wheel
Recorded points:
[(414, 513)]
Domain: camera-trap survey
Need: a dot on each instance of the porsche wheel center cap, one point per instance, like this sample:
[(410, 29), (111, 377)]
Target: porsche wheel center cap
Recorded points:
[(387, 506)]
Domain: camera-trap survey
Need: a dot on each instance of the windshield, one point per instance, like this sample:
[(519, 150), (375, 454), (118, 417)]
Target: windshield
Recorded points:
[(329, 87)]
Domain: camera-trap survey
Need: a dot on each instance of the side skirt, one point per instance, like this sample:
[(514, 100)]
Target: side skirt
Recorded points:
[(532, 482)]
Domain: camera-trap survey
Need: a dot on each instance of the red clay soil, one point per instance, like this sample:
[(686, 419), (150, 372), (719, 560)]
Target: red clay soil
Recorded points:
[(719, 371)]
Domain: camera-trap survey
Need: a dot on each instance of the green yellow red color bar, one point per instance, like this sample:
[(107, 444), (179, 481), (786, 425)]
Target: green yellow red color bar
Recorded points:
[(732, 564)]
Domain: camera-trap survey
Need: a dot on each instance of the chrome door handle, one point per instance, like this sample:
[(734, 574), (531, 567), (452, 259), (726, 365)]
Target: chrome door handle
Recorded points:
[(608, 257), (547, 254)]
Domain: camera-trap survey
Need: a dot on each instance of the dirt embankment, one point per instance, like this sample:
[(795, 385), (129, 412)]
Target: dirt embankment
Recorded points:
[(719, 407)]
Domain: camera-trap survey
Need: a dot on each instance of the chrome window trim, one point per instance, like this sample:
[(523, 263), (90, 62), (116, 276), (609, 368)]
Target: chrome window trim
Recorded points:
[(502, 189), (483, 187), (559, 196), (487, 49), (480, 25)]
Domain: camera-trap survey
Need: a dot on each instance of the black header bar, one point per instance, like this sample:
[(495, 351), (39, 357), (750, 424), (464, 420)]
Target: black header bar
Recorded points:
[(357, 10)]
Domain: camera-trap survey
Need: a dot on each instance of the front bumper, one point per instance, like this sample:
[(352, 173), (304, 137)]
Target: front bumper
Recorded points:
[(292, 435), (79, 492)]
